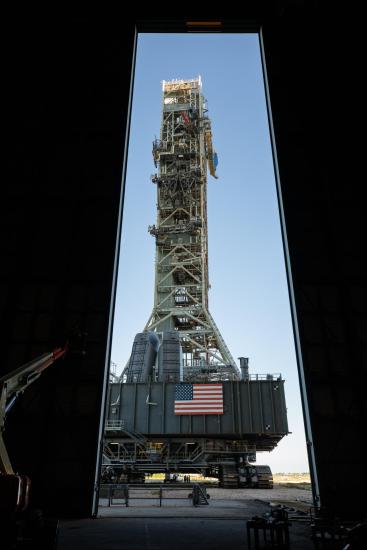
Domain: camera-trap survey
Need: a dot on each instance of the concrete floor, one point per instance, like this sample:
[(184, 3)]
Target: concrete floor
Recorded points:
[(164, 534), (221, 525)]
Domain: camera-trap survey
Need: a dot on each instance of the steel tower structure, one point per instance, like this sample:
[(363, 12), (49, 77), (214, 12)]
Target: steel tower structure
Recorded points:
[(182, 155)]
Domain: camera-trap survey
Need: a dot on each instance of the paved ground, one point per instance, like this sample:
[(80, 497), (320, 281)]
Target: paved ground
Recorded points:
[(219, 526), (223, 502), (164, 534)]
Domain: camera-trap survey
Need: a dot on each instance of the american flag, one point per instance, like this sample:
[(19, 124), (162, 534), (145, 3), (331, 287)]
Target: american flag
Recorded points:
[(198, 399)]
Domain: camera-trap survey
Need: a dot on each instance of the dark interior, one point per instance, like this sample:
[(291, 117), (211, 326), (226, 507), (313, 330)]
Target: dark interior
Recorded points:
[(69, 83)]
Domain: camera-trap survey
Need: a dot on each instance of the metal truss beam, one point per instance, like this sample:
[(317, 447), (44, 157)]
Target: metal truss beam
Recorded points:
[(182, 155)]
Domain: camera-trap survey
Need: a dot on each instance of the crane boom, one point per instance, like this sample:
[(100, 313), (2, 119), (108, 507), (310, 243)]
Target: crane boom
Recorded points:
[(14, 384)]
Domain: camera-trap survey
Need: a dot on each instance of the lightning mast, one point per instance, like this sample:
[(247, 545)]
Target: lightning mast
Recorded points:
[(182, 156)]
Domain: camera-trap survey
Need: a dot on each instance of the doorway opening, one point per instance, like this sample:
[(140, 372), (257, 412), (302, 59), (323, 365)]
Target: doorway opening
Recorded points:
[(202, 280)]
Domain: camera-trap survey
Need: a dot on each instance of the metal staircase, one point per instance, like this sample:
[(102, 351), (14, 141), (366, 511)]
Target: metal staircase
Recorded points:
[(139, 439), (199, 496), (197, 452)]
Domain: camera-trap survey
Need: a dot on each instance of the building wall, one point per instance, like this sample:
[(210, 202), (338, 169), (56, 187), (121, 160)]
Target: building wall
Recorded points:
[(69, 87), (308, 77), (70, 90)]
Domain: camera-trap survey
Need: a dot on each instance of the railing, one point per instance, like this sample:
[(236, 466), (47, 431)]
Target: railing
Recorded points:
[(199, 495), (115, 425), (276, 376), (122, 494), (231, 448), (224, 374)]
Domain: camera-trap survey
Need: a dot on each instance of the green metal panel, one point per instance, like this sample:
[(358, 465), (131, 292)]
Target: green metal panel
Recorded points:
[(251, 407)]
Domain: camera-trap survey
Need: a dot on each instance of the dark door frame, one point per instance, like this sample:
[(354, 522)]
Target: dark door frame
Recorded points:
[(212, 26)]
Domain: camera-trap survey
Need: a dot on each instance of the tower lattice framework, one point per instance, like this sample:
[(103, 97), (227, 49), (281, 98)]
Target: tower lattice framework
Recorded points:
[(182, 155)]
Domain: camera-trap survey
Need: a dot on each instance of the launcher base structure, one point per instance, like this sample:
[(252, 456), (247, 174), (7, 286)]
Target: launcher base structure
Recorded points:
[(182, 404), (143, 435)]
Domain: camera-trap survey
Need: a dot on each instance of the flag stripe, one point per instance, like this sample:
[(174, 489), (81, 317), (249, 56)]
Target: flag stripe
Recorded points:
[(199, 390), (206, 392), (194, 411), (200, 409), (203, 401), (206, 388), (202, 405), (197, 413)]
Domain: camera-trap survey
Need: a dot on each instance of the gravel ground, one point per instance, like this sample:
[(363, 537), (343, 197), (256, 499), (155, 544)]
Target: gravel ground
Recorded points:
[(279, 492)]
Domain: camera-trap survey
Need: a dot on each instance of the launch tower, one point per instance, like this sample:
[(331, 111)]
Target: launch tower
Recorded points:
[(182, 156)]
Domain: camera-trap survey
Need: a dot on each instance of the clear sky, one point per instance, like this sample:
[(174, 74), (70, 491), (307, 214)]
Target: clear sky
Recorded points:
[(248, 297)]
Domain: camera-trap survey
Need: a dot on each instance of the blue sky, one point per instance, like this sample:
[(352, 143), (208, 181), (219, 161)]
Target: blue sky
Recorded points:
[(249, 297)]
